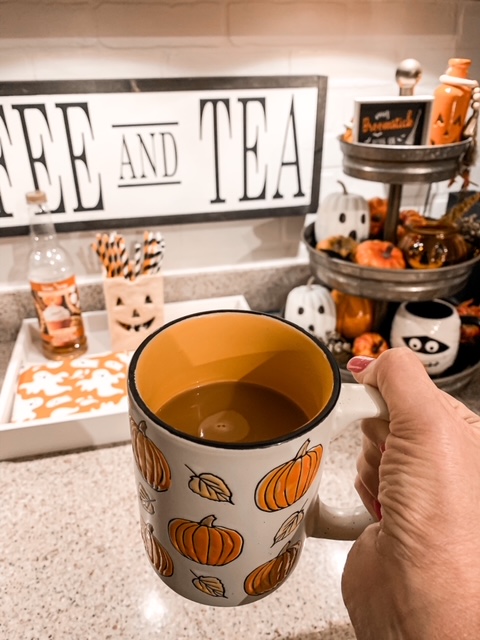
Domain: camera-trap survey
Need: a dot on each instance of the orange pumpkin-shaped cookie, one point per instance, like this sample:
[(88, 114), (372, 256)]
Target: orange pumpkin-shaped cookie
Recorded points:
[(273, 573), (288, 482), (203, 542), (159, 556), (150, 460)]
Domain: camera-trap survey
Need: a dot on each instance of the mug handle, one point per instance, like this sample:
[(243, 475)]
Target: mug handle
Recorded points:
[(356, 402)]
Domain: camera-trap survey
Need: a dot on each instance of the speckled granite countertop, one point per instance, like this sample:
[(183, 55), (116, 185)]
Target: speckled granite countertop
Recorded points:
[(73, 564)]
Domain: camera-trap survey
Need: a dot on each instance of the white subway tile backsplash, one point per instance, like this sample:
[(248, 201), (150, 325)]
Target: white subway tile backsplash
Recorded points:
[(98, 62), (233, 61), (199, 20), (289, 23), (45, 19)]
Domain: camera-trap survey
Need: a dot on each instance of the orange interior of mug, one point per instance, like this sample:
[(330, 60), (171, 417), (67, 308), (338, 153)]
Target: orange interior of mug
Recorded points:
[(234, 346)]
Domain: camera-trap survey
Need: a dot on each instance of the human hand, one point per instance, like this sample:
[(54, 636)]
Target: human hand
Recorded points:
[(415, 574)]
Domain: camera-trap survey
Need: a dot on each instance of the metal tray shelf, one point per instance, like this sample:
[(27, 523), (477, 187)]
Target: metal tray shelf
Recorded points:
[(385, 284), (402, 164)]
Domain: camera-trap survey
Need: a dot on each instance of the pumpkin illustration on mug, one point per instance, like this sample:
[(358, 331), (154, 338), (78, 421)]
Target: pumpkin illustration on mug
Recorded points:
[(205, 543), (290, 481), (151, 462), (158, 555), (273, 573)]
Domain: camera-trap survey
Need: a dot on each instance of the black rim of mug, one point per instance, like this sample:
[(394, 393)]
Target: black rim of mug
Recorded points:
[(430, 309)]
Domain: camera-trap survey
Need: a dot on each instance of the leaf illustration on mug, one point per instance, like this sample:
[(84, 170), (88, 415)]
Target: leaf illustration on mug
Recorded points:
[(290, 525), (158, 555), (209, 486), (283, 486), (145, 500), (209, 585), (151, 462)]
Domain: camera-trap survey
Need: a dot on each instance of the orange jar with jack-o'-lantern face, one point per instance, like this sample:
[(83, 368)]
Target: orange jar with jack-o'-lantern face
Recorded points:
[(452, 99)]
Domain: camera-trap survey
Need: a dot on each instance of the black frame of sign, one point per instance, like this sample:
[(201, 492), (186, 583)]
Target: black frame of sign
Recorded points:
[(20, 139)]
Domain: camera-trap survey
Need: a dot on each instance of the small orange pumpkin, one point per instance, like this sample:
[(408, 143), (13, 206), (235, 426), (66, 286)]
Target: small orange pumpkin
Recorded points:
[(273, 573), (288, 482), (379, 254), (369, 344), (203, 542), (354, 314), (159, 556), (151, 462)]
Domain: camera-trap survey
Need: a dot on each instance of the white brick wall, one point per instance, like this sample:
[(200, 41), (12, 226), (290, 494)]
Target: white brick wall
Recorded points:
[(357, 44)]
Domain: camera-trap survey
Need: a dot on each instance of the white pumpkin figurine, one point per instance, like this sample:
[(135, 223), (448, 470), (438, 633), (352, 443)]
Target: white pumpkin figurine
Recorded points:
[(343, 214), (311, 307)]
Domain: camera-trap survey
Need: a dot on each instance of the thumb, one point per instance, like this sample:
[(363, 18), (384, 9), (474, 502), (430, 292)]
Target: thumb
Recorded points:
[(416, 405)]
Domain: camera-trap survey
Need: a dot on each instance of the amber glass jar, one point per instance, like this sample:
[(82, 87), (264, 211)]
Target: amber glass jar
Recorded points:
[(433, 244)]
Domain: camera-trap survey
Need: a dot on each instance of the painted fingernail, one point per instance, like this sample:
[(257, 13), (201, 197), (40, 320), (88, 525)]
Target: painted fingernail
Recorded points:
[(378, 509), (359, 363)]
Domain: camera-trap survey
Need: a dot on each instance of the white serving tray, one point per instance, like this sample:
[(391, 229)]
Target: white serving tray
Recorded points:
[(37, 437)]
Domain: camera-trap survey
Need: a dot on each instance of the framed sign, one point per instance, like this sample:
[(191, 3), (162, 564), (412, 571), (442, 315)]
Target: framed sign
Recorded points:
[(402, 120), (119, 153)]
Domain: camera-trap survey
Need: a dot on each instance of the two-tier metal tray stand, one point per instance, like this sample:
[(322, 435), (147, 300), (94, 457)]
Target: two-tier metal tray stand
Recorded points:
[(396, 166)]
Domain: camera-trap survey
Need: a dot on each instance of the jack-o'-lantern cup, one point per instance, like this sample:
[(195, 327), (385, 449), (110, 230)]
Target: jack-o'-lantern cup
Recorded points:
[(231, 416), (135, 308)]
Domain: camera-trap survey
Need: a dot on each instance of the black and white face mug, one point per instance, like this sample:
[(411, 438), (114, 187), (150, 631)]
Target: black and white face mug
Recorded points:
[(432, 330)]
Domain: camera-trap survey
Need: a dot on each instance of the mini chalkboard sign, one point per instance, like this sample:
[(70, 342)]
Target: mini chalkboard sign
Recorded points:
[(403, 120)]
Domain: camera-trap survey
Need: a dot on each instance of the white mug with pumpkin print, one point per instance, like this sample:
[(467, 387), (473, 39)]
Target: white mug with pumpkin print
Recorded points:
[(225, 508)]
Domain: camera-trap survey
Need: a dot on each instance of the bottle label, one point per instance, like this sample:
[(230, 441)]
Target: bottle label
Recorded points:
[(58, 311)]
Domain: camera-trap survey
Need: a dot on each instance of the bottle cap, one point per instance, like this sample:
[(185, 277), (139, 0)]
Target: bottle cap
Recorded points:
[(36, 197)]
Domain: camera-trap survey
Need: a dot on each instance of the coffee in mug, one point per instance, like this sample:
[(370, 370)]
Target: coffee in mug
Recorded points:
[(231, 416), (233, 412)]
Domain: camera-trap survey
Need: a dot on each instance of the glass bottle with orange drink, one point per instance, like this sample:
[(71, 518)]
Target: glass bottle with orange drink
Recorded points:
[(53, 286)]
